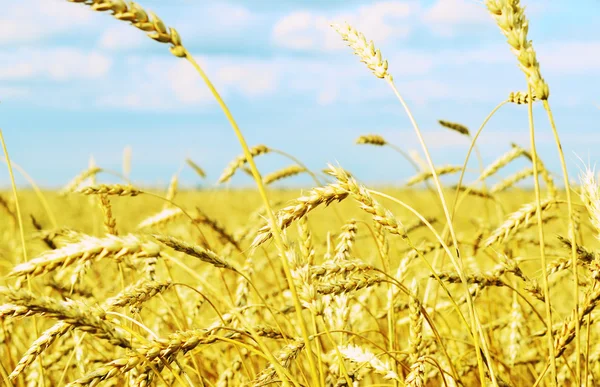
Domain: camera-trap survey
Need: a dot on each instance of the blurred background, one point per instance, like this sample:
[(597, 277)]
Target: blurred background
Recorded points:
[(76, 83)]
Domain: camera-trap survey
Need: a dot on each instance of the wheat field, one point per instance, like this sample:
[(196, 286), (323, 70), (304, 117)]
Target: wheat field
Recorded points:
[(460, 283)]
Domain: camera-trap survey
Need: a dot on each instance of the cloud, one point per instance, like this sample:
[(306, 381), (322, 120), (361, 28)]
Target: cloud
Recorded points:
[(569, 57), (306, 30), (251, 78), (13, 92), (59, 64), (216, 22), (121, 37), (167, 84), (238, 17), (18, 23), (303, 30), (445, 17)]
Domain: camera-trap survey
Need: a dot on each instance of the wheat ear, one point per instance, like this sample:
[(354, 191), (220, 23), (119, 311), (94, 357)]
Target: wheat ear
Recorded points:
[(516, 220), (371, 139), (75, 313), (363, 356), (240, 161), (165, 216), (202, 254), (424, 176), (455, 126), (199, 171), (380, 214), (300, 207), (513, 23), (141, 19), (77, 180), (112, 189), (364, 50), (283, 173), (134, 295), (520, 97), (85, 250), (510, 181)]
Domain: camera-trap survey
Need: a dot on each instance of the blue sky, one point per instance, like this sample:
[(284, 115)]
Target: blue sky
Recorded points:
[(75, 83)]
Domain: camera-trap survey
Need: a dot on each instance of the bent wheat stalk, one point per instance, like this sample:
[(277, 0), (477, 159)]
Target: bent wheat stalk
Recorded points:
[(156, 29), (373, 59)]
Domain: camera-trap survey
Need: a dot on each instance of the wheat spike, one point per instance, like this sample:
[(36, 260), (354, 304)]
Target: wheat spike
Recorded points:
[(371, 139), (283, 173), (240, 161), (440, 171), (455, 126), (141, 19), (364, 50), (112, 189), (87, 249), (199, 171), (513, 23), (516, 220)]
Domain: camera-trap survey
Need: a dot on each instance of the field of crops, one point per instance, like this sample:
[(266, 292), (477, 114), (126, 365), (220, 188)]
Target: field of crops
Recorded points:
[(443, 282)]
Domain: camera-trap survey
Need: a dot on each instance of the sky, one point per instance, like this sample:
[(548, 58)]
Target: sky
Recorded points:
[(76, 83)]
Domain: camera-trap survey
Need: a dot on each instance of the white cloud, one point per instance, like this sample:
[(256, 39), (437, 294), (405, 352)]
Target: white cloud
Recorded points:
[(35, 19), (238, 17), (54, 63), (327, 96), (121, 37), (13, 92), (218, 21), (167, 84), (569, 57), (446, 16), (412, 62), (384, 20), (252, 79), (185, 84), (304, 30)]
